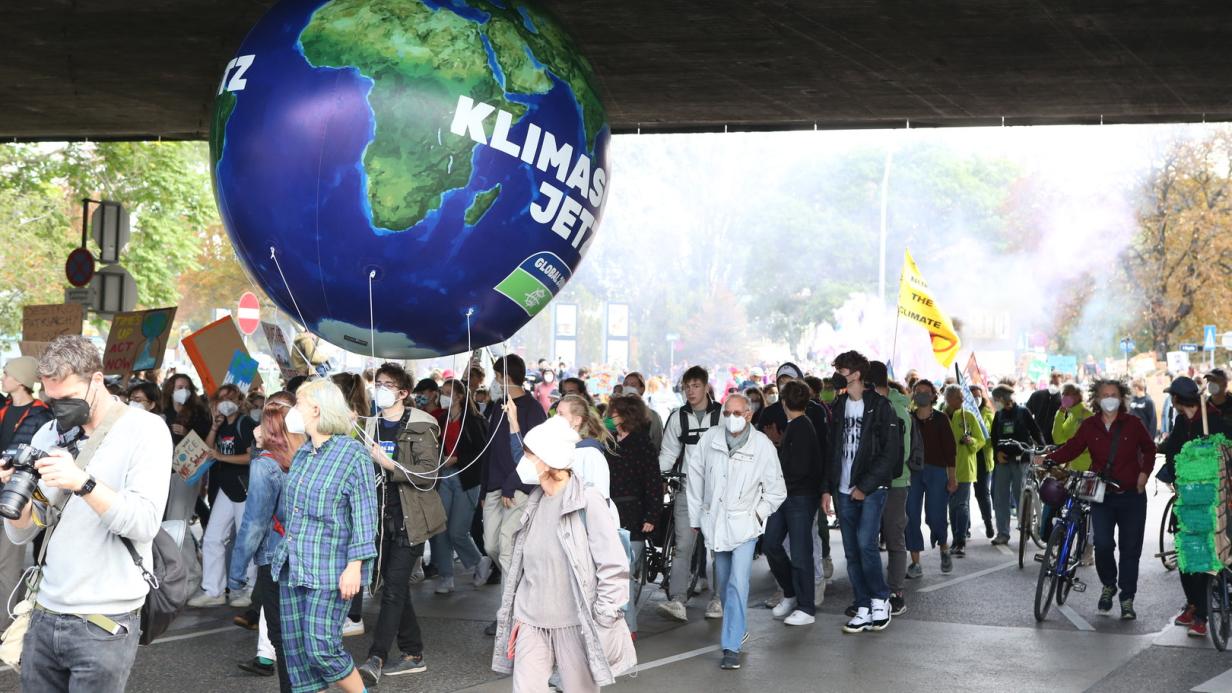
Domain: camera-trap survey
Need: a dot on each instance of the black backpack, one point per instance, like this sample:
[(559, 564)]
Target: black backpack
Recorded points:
[(169, 584)]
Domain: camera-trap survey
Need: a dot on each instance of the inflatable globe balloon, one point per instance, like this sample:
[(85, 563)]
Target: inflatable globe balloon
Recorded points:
[(446, 158)]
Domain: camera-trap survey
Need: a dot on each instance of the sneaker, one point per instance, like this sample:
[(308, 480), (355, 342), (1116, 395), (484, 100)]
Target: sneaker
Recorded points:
[(730, 661), (259, 666), (673, 610), (785, 608), (1105, 599), (409, 664), (370, 671), (958, 551), (1197, 629), (1186, 618), (799, 618), (988, 530), (1127, 610), (204, 600), (880, 614), (490, 631), (446, 586), (914, 571), (483, 571), (714, 609), (350, 628), (827, 568), (430, 571), (495, 577), (1001, 540), (417, 572), (774, 600), (851, 611), (860, 622), (241, 600), (242, 621), (898, 605), (947, 562)]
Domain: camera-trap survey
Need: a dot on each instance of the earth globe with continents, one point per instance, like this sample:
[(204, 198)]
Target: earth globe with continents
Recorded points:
[(447, 158)]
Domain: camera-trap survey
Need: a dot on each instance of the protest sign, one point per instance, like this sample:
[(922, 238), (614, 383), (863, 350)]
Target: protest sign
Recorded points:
[(137, 341)]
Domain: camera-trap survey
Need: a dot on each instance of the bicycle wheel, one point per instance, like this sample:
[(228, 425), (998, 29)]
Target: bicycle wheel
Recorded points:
[(667, 552), (1219, 621), (1046, 584), (1024, 527), (1038, 533), (696, 562), (1167, 531), (1065, 583), (638, 571)]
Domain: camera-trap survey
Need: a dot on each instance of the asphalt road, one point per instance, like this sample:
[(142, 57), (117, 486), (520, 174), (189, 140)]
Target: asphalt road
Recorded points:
[(971, 630)]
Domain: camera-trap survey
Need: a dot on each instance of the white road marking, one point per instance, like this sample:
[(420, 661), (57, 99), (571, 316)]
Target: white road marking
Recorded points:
[(189, 636), (964, 578), (1219, 684), (1079, 622), (1005, 549), (678, 657)]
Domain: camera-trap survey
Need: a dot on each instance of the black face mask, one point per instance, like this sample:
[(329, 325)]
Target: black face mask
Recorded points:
[(70, 412), (839, 381)]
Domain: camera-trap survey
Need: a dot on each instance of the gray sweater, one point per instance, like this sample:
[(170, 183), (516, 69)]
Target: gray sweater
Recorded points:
[(88, 570)]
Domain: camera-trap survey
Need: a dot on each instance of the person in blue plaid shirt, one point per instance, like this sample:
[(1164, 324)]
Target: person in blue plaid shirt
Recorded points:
[(330, 505)]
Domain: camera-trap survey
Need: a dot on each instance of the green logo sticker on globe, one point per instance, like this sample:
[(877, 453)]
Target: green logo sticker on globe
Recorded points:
[(449, 157)]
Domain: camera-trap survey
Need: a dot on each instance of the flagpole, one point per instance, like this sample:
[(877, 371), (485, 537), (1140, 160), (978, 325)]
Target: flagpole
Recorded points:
[(962, 410)]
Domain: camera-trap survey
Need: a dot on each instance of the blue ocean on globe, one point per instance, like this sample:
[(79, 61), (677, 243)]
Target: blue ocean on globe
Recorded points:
[(449, 157)]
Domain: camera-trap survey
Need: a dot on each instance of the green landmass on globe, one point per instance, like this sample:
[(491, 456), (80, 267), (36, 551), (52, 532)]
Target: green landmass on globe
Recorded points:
[(481, 204), (420, 60)]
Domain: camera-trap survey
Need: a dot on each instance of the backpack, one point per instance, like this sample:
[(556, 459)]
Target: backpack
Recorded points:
[(688, 434), (169, 583)]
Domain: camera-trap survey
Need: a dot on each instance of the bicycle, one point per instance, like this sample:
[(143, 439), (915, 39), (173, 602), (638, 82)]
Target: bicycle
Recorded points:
[(1063, 554), (659, 553), (1167, 534), (1219, 612), (1030, 508)]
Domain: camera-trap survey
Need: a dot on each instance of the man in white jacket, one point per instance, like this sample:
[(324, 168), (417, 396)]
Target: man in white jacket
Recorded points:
[(734, 485)]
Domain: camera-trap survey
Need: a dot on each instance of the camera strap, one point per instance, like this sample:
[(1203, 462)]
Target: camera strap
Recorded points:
[(52, 515)]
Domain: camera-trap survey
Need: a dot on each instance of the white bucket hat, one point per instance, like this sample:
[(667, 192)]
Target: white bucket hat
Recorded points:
[(553, 441)]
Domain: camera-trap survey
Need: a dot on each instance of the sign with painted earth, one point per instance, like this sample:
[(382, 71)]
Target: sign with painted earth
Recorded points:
[(451, 156)]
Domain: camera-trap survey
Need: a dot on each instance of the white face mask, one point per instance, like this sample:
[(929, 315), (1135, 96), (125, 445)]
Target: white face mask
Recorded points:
[(385, 398), (255, 415), (735, 424), (1053, 389), (295, 422), (772, 399), (180, 397), (527, 471), (228, 408), (1213, 388), (1110, 404), (497, 392), (139, 406), (446, 401)]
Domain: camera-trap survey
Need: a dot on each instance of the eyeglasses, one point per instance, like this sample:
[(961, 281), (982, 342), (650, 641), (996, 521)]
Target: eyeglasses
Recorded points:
[(734, 413)]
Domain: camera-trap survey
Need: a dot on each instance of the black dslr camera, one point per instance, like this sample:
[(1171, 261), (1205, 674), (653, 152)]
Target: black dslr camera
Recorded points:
[(16, 493)]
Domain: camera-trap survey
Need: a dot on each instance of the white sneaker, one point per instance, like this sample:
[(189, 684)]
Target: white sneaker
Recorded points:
[(673, 609), (785, 607), (203, 600), (860, 622), (350, 628), (483, 571), (799, 618), (445, 586), (714, 609), (880, 614), (241, 600), (827, 568)]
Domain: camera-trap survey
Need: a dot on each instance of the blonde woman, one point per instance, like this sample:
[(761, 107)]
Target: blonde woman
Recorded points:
[(568, 580), (330, 504)]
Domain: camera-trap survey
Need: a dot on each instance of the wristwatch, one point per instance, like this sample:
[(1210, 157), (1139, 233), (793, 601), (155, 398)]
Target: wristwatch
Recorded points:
[(86, 488)]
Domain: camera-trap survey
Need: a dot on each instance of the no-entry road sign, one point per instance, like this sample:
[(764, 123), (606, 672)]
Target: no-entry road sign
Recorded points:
[(248, 317)]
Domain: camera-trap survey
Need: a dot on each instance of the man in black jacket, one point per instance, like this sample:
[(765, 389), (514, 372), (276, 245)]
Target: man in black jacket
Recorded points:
[(1044, 405), (865, 455), (803, 473), (1011, 424)]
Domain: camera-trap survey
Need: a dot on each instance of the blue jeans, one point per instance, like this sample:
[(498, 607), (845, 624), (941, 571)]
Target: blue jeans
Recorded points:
[(960, 512), (1126, 513), (927, 493), (860, 523), (1006, 489), (794, 521), (62, 652), (731, 572), (459, 511)]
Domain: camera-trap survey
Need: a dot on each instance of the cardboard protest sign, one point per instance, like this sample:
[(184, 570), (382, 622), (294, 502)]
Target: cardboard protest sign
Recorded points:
[(278, 349), (191, 458), (212, 349), (43, 323), (137, 341), (241, 372)]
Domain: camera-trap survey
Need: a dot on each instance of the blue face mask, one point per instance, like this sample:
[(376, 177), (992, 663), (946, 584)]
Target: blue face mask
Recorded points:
[(421, 401)]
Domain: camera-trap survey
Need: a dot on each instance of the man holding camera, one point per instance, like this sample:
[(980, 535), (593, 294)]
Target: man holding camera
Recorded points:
[(84, 629)]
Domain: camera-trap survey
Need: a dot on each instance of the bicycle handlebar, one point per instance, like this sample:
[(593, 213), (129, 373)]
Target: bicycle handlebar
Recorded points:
[(1031, 449)]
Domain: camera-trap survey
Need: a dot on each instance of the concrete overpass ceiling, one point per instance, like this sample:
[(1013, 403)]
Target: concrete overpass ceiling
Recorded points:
[(125, 69)]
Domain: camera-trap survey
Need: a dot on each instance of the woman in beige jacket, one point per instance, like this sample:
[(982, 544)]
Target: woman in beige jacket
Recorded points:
[(563, 601)]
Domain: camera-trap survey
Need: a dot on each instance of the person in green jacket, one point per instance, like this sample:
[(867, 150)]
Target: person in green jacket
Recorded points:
[(1073, 412), (969, 439), (894, 515), (984, 463)]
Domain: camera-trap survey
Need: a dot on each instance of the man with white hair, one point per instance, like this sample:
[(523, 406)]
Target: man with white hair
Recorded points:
[(734, 484)]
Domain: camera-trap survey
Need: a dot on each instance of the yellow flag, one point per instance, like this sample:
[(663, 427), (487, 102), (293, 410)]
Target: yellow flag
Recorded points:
[(915, 303)]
